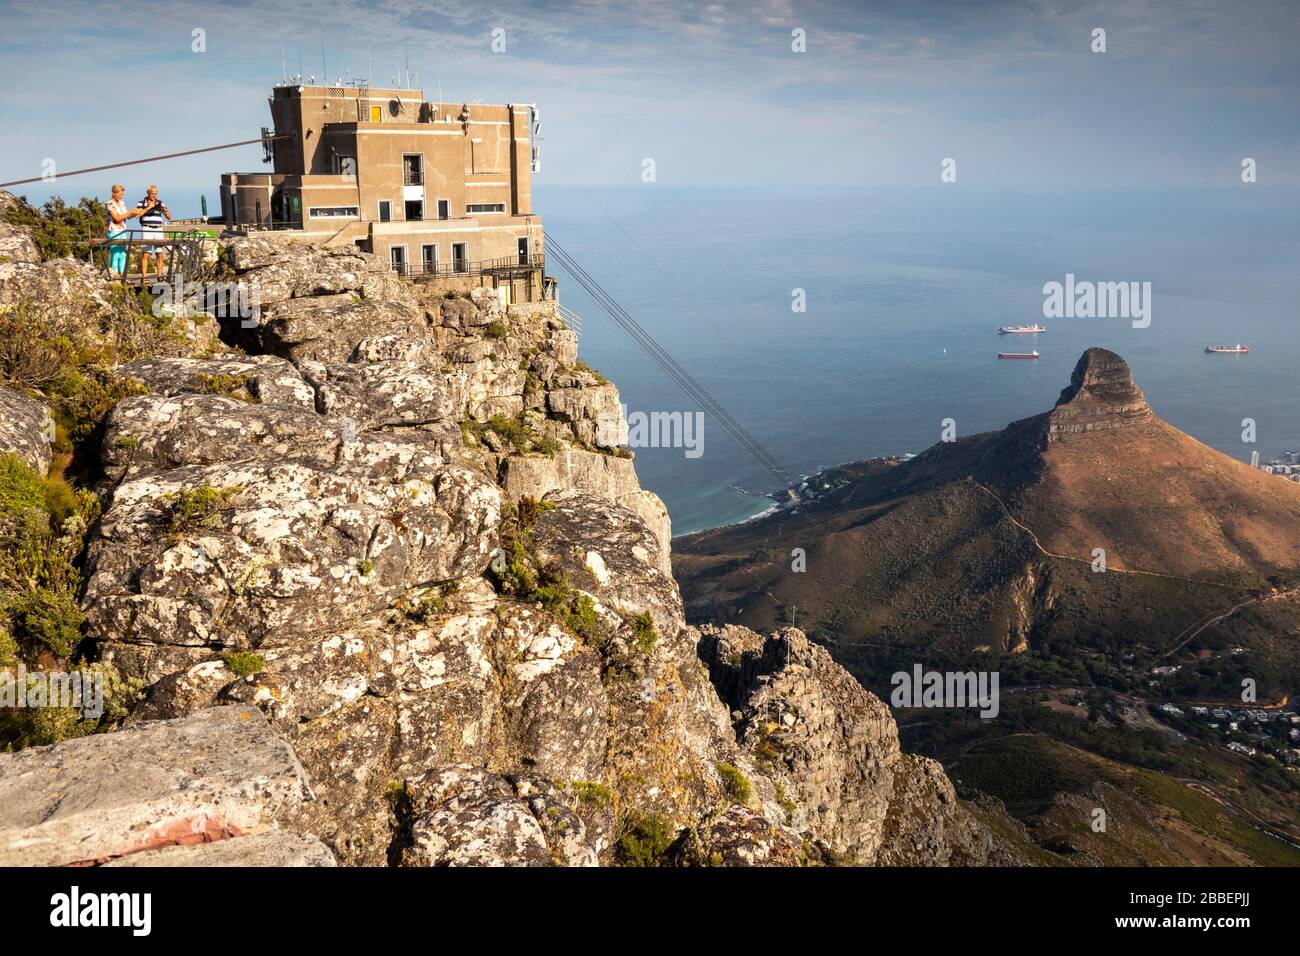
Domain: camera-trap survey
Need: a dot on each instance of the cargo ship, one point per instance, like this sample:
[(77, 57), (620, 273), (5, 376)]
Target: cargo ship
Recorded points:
[(1234, 349), (1018, 355), (1021, 329)]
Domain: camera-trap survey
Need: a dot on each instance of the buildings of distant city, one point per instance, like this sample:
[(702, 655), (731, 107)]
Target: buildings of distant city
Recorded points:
[(1287, 466), (1269, 734)]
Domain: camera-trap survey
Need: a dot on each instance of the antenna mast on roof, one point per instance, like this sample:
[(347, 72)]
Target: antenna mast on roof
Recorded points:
[(324, 73), (284, 68)]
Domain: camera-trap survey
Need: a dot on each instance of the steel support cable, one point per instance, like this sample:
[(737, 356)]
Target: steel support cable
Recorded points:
[(674, 369), (137, 162), (664, 360)]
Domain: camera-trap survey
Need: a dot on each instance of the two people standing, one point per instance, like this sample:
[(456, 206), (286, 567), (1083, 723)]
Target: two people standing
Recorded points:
[(152, 212)]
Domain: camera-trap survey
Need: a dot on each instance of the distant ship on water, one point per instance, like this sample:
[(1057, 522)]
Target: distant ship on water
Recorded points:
[(1018, 355), (1233, 349), (1021, 329)]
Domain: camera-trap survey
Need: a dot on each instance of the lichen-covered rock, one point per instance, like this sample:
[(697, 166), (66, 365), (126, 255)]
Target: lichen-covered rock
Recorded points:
[(261, 378), (307, 536), (592, 473), (270, 848), (832, 747), (740, 836), (25, 428), (465, 816), (926, 825), (216, 774), (271, 547)]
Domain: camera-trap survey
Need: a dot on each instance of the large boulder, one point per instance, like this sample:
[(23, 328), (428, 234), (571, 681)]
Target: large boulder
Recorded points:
[(25, 429), (217, 774)]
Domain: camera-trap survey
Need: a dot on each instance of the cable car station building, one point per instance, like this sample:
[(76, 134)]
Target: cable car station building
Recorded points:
[(441, 190)]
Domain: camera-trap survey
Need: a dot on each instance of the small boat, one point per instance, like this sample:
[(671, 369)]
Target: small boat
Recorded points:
[(1021, 329), (1018, 355), (1232, 349)]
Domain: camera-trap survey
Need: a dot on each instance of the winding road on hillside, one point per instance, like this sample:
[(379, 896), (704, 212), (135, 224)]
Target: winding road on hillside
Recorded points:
[(1186, 636)]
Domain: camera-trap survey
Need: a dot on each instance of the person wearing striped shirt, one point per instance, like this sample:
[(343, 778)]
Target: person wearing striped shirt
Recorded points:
[(152, 211)]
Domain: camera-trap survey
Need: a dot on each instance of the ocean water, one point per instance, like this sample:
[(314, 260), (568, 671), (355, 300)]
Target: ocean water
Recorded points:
[(905, 290)]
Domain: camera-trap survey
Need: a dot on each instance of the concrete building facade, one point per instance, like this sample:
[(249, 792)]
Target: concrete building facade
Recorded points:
[(438, 189)]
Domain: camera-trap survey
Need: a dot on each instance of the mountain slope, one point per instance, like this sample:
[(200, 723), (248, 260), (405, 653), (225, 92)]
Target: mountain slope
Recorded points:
[(982, 554), (990, 541)]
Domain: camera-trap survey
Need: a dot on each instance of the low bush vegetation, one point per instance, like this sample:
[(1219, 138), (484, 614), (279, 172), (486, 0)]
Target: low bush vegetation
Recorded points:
[(517, 431), (644, 841), (197, 508)]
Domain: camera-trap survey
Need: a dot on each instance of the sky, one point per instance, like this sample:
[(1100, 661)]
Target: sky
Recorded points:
[(714, 93)]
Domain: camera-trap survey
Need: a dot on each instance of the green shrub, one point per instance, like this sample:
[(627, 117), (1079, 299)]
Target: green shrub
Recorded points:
[(646, 636), (227, 386), (517, 431), (41, 726), (48, 617), (580, 617), (735, 783), (192, 509), (42, 529), (496, 330), (644, 841), (60, 230), (425, 609), (592, 793), (244, 663)]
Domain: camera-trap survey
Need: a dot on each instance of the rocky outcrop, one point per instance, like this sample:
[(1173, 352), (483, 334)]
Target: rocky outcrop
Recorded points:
[(73, 301), (392, 543), (25, 429), (216, 775), (270, 848), (832, 749), (1101, 396)]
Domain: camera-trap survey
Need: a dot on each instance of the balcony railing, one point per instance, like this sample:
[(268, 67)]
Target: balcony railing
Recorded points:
[(507, 267)]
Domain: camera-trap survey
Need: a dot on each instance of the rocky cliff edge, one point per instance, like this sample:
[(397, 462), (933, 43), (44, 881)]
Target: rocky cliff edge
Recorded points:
[(380, 537)]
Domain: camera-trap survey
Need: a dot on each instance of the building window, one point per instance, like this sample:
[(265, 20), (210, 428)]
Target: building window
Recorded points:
[(333, 212), (397, 255), (412, 169), (523, 250), (414, 210), (460, 257), (485, 207), (429, 258), (444, 208), (385, 210)]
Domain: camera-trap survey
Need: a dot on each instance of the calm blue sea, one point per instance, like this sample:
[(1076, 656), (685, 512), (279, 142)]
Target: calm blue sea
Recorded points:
[(905, 290)]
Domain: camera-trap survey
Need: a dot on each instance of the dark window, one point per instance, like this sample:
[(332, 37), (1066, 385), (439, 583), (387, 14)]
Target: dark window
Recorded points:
[(385, 210), (414, 210), (413, 170), (444, 208)]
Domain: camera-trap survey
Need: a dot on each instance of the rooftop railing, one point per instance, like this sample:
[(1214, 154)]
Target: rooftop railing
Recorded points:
[(506, 267)]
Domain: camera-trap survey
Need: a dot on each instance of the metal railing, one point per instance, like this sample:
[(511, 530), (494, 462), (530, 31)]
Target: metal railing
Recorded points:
[(571, 319), (504, 268), (182, 255)]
